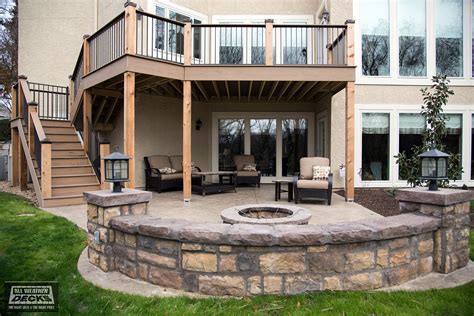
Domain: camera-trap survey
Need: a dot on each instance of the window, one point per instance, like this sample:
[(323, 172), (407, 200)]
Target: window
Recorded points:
[(295, 144), (170, 37), (453, 138), (231, 141), (375, 146), (449, 37), (375, 30), (295, 48), (412, 37), (472, 147), (410, 133), (263, 144), (472, 36)]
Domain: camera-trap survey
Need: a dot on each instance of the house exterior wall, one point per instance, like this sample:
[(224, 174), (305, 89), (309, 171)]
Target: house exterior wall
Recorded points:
[(50, 37)]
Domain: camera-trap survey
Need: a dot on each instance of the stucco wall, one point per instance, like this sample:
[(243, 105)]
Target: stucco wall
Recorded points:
[(50, 37), (158, 127)]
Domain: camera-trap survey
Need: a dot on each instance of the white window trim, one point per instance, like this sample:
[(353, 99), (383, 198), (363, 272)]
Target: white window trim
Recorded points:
[(395, 110), (394, 78), (152, 4), (309, 116)]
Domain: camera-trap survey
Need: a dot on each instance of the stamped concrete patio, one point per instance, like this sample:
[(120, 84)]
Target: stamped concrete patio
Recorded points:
[(207, 209)]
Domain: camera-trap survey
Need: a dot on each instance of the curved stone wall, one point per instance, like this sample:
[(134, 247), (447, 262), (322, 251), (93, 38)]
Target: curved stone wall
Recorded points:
[(243, 259)]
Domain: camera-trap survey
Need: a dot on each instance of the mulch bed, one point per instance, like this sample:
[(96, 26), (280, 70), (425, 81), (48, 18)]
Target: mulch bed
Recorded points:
[(378, 200)]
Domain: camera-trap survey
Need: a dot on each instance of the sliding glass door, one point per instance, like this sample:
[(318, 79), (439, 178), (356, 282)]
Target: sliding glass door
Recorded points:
[(277, 141)]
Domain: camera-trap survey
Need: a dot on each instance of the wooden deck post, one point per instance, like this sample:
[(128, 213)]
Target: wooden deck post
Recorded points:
[(32, 108), (130, 28), (187, 54), (129, 124), (104, 150), (15, 157), (85, 55), (268, 42), (14, 101), (21, 97), (46, 183), (186, 140), (350, 102), (23, 171), (86, 117)]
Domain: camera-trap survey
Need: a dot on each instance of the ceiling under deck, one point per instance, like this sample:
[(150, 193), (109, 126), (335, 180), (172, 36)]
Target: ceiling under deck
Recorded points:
[(230, 91)]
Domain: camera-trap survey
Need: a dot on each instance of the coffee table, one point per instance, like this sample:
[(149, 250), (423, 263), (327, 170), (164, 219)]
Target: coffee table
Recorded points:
[(204, 187), (279, 190)]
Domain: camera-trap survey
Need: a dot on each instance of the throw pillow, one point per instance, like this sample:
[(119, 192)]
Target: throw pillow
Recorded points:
[(167, 170), (321, 172), (250, 167)]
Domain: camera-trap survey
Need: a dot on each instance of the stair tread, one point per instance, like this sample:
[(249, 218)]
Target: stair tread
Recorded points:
[(73, 175), (71, 166), (64, 197), (75, 185)]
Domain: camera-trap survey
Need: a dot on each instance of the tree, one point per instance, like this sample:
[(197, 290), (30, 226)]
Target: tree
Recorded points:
[(434, 99), (8, 46)]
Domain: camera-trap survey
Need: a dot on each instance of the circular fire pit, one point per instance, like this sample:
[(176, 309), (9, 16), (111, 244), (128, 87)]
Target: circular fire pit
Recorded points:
[(266, 214)]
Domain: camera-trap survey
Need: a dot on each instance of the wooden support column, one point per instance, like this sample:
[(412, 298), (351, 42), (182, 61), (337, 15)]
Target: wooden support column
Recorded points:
[(32, 108), (104, 150), (15, 157), (21, 97), (14, 101), (187, 43), (46, 181), (86, 117), (350, 102), (268, 42), (23, 171), (187, 140), (130, 28), (86, 64), (129, 124)]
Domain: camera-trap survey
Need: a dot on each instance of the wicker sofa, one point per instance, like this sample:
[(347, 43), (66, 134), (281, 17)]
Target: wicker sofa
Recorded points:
[(246, 177), (157, 181), (304, 185)]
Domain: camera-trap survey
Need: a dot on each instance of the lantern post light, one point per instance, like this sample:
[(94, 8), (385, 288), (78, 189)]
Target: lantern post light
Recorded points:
[(434, 167), (116, 170)]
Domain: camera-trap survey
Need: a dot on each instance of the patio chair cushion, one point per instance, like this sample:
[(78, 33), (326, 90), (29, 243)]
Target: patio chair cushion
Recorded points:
[(307, 163), (241, 160), (321, 172), (172, 176), (312, 184), (177, 162), (159, 161), (167, 170), (247, 173)]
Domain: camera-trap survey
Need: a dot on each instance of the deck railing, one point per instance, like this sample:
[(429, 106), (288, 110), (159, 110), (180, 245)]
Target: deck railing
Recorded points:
[(78, 72), (228, 44), (53, 101), (159, 38), (107, 44)]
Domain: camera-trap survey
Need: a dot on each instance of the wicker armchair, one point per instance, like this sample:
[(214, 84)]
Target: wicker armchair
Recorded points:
[(243, 176), (304, 185)]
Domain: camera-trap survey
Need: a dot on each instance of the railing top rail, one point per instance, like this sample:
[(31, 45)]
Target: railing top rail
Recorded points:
[(322, 26), (229, 25), (78, 61), (161, 18), (106, 26), (38, 127), (45, 85)]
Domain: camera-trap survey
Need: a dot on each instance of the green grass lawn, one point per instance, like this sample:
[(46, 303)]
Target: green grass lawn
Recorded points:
[(45, 247)]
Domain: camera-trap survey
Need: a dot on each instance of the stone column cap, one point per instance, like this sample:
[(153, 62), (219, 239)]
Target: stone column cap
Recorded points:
[(106, 198), (442, 197)]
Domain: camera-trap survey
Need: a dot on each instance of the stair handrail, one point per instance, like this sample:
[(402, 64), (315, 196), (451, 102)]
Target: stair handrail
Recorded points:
[(35, 143)]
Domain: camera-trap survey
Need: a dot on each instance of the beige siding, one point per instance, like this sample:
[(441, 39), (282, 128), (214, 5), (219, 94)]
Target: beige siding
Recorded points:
[(50, 37)]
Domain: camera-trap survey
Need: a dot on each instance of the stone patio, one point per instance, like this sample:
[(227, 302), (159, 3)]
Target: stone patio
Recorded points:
[(207, 209)]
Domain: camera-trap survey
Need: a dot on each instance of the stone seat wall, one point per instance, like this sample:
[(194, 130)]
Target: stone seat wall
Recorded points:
[(241, 260)]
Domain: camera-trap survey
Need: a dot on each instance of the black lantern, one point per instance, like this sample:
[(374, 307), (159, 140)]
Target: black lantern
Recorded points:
[(198, 124), (116, 169), (434, 167)]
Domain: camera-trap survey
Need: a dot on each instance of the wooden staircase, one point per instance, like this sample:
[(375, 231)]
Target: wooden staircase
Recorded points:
[(72, 172)]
